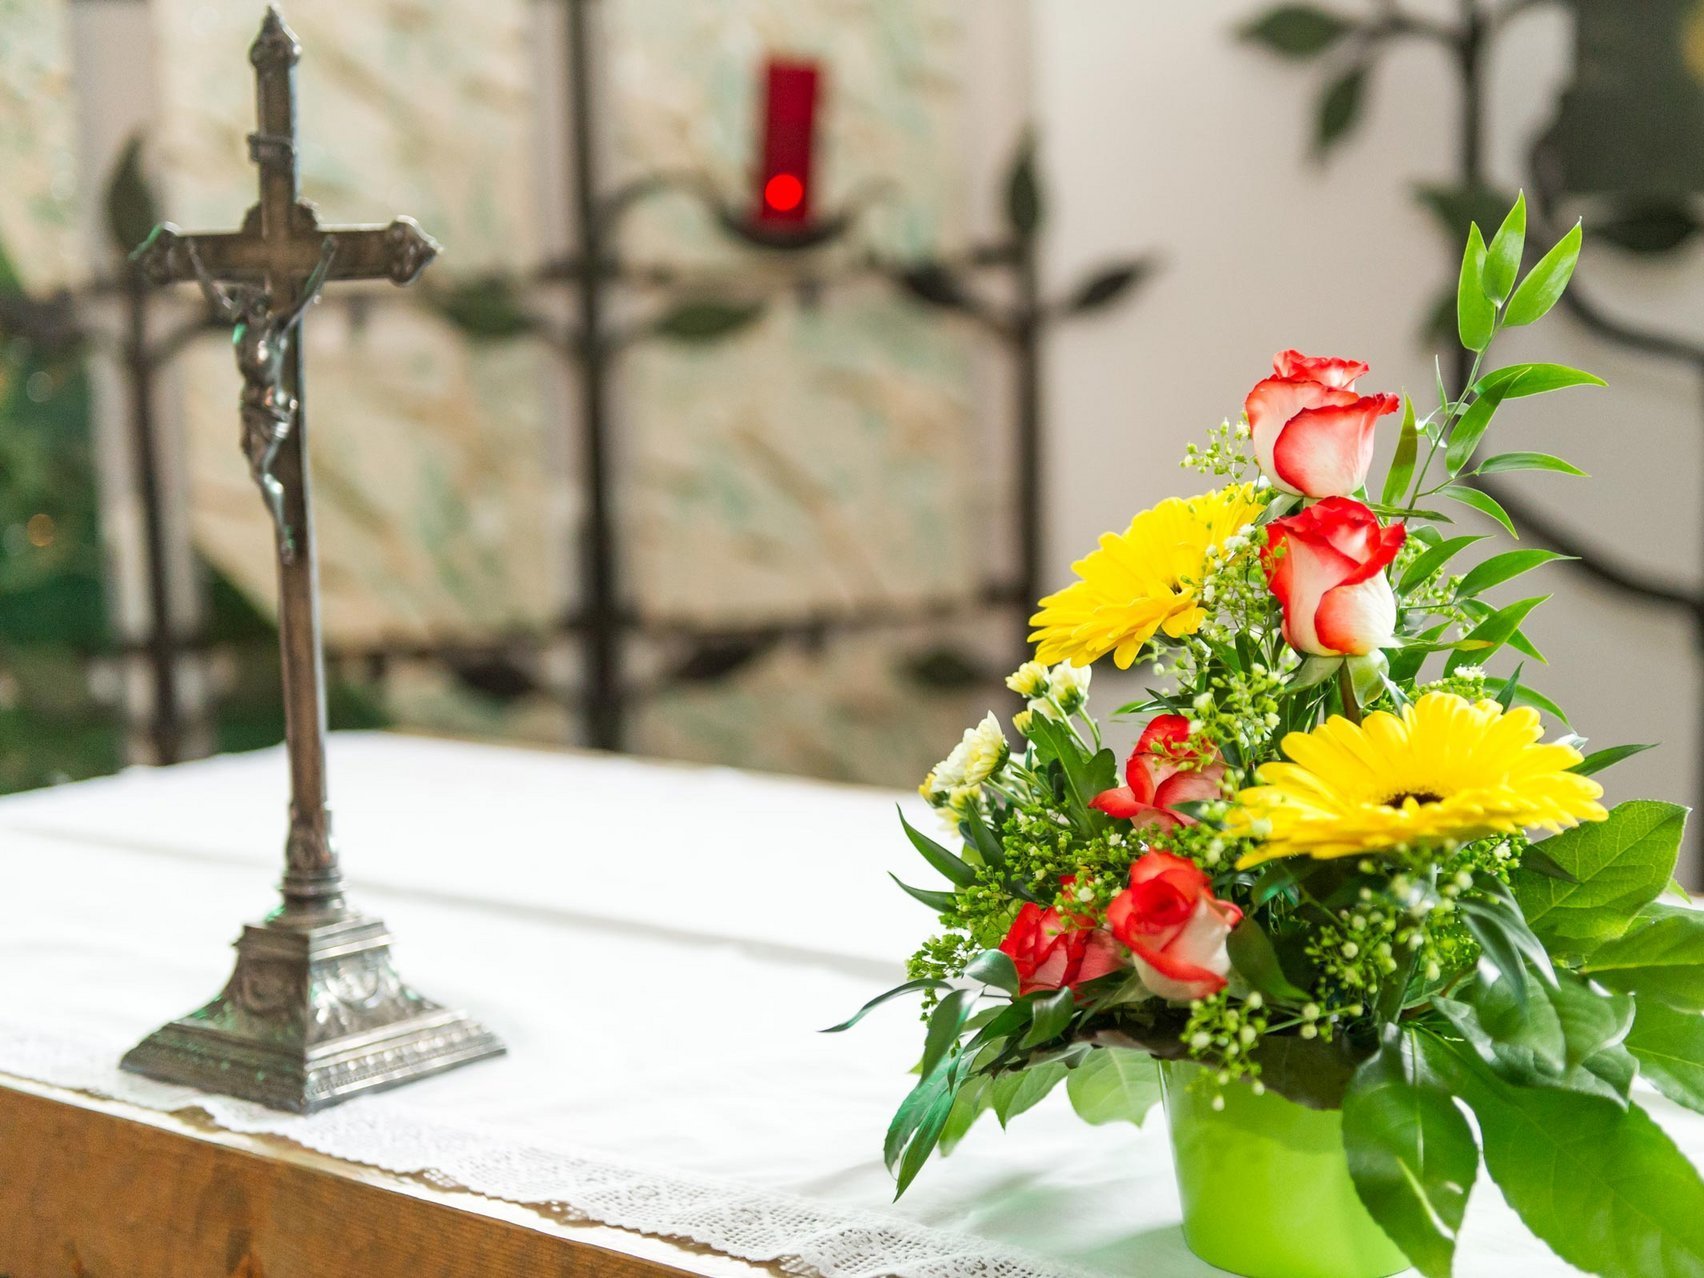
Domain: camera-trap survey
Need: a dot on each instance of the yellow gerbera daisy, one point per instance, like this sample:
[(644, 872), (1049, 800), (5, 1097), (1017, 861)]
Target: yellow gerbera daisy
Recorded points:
[(1142, 580), (1444, 770)]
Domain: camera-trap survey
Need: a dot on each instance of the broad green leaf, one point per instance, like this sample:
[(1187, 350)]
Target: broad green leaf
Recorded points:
[(1475, 315), (1430, 561), (1527, 461), (1339, 108), (1545, 283), (1513, 1011), (1050, 1015), (1024, 1089), (940, 902), (1407, 453), (1535, 379), (1619, 865), (1484, 503), (1500, 568), (1660, 957), (1602, 1185), (924, 1137), (1598, 760), (993, 967), (1296, 30), (1114, 1085), (910, 987), (1309, 1071), (913, 1109), (1412, 1155), (1591, 1019), (1255, 960), (1503, 258), (1669, 1045), (951, 868), (1085, 776)]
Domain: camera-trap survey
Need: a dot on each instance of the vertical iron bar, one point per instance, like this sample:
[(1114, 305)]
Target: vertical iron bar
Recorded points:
[(605, 703), (1032, 476), (165, 727)]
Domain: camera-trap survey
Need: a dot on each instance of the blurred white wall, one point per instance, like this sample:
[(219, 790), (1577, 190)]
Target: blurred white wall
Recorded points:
[(1161, 129)]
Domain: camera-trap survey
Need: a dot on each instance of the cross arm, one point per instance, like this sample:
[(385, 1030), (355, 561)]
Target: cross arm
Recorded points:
[(398, 252)]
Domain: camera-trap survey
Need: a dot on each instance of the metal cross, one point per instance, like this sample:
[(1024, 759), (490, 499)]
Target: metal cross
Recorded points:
[(261, 279)]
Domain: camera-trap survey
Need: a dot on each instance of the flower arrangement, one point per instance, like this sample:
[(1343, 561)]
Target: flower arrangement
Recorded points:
[(1344, 862)]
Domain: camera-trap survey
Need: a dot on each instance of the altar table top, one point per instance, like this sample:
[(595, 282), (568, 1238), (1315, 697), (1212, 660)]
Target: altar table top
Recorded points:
[(658, 945)]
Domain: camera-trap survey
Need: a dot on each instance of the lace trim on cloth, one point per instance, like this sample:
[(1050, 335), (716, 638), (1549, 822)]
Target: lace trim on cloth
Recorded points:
[(802, 1237)]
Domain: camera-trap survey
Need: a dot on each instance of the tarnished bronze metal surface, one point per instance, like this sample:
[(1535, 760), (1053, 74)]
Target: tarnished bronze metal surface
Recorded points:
[(314, 1012)]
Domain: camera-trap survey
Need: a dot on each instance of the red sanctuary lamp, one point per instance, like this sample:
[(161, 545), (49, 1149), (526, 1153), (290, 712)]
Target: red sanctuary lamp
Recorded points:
[(783, 214)]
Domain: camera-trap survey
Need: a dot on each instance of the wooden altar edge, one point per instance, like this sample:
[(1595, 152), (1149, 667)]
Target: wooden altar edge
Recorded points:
[(91, 1188)]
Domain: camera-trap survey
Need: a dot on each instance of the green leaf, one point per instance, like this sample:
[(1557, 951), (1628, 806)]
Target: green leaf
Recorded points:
[(1500, 568), (950, 867), (1545, 283), (1407, 453), (940, 902), (1660, 957), (1430, 561), (706, 321), (1296, 30), (1024, 1089), (1107, 286), (1309, 1071), (1052, 1013), (1471, 428), (1484, 503), (1527, 696), (1618, 865), (1503, 258), (1591, 1019), (131, 211), (1535, 379), (945, 1023), (1598, 760), (1085, 776), (1669, 1045), (1255, 960), (1114, 1085), (489, 308), (1527, 461), (1491, 634), (1339, 108), (1412, 1155), (1475, 315), (912, 1111), (1023, 192), (1602, 1185), (995, 968), (971, 1102), (910, 987), (924, 1132)]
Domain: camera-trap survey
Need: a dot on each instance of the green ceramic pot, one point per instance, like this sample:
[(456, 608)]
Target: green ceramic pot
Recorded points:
[(1266, 1189)]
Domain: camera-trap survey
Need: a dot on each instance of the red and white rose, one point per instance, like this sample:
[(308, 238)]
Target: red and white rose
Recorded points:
[(1052, 950), (1326, 565), (1166, 768), (1312, 432), (1175, 927)]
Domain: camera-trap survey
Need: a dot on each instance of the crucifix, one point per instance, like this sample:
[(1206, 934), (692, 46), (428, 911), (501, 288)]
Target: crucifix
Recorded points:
[(315, 1011)]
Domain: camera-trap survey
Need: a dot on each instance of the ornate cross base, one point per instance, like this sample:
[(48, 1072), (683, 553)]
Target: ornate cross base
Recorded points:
[(312, 1015)]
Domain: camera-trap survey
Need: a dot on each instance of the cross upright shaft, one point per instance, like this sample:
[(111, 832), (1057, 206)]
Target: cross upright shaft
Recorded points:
[(263, 277)]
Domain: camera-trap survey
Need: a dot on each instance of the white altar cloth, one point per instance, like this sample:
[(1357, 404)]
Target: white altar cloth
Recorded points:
[(657, 944)]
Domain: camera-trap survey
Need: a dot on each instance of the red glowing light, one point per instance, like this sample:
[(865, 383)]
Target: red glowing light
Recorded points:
[(783, 192)]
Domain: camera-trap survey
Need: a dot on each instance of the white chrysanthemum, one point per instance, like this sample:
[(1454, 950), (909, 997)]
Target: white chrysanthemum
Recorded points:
[(1028, 680), (1070, 686), (982, 753)]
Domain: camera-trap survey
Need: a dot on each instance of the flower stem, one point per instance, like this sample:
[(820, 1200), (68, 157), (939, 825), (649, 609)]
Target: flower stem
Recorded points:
[(1346, 689)]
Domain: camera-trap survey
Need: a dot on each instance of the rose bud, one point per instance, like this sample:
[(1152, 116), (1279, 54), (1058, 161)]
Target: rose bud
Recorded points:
[(1313, 434), (1164, 769), (1326, 565), (1175, 927), (1054, 951)]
